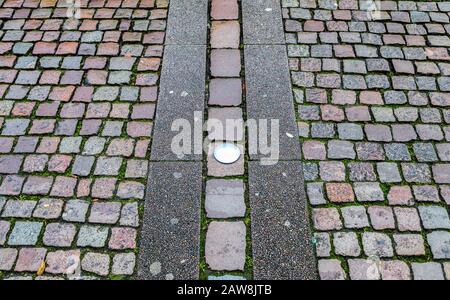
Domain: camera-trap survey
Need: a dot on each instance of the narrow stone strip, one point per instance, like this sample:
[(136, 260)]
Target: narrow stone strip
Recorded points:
[(281, 238), (170, 237), (226, 215), (171, 230)]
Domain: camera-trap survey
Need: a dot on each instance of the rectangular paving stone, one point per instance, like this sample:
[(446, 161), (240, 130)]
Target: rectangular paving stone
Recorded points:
[(170, 236), (281, 240), (187, 22), (262, 22), (182, 93), (269, 97)]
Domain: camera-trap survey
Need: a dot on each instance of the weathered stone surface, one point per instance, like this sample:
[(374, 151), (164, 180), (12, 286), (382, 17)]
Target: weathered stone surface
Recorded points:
[(225, 246), (170, 244)]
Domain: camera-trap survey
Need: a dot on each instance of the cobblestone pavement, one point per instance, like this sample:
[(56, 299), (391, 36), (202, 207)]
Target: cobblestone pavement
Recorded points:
[(372, 96), (78, 99)]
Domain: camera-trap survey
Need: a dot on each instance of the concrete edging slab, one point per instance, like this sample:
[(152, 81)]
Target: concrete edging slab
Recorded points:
[(170, 240)]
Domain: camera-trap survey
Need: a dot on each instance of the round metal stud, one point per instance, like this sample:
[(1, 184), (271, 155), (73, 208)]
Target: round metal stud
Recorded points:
[(227, 153)]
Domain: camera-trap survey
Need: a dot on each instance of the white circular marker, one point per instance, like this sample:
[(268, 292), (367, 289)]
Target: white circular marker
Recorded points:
[(227, 153)]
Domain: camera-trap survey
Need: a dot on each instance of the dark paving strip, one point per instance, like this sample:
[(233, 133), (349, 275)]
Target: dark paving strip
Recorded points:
[(262, 22), (170, 236), (280, 231), (281, 238), (269, 95), (169, 246), (186, 24), (182, 93)]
